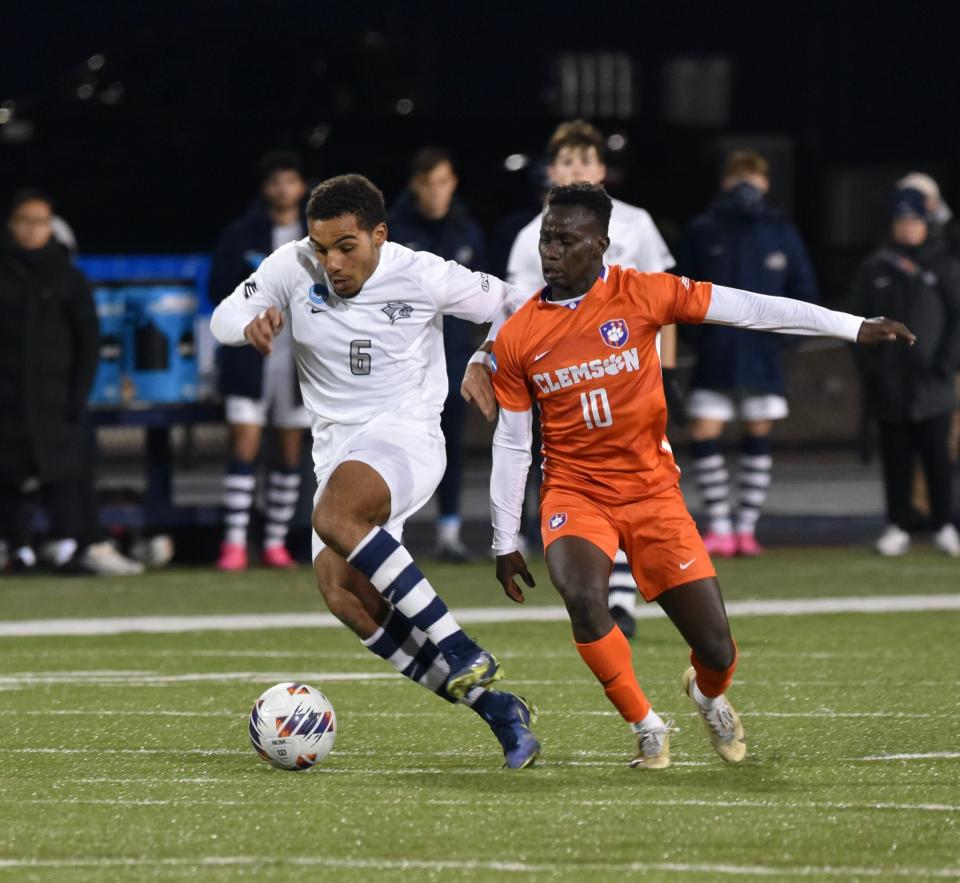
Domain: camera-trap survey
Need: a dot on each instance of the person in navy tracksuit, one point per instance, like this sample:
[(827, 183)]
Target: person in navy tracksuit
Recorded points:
[(428, 217), (742, 243), (257, 391)]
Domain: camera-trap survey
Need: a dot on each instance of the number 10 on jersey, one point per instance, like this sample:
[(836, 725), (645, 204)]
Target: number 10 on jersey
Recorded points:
[(596, 408)]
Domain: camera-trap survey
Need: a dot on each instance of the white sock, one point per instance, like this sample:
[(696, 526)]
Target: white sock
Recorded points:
[(448, 530), (63, 551), (705, 702), (652, 721)]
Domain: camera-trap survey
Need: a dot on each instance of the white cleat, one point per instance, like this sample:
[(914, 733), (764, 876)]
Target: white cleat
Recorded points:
[(103, 560), (947, 540), (893, 542), (653, 747), (721, 722)]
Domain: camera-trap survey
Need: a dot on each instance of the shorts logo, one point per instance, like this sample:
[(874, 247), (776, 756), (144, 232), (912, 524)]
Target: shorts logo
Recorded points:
[(557, 520), (319, 295), (615, 333)]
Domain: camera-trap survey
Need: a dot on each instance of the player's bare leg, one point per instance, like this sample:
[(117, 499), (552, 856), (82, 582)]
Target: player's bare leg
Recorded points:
[(348, 518), (386, 633), (697, 610), (581, 572)]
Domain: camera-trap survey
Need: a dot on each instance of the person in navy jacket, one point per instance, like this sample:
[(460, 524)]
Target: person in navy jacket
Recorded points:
[(260, 392), (743, 243), (429, 217)]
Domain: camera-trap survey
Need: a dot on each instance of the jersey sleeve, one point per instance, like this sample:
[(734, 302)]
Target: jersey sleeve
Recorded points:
[(263, 288), (457, 291), (667, 299), (509, 382)]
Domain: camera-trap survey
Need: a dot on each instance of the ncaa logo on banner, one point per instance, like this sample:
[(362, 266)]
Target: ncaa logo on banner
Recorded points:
[(557, 520), (318, 295), (615, 333)]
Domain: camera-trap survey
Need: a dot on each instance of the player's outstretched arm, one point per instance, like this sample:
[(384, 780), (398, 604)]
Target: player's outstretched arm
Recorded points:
[(882, 330), (747, 309), (508, 482)]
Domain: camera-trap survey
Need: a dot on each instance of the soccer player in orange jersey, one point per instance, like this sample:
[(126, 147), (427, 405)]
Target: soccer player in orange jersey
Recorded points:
[(583, 351)]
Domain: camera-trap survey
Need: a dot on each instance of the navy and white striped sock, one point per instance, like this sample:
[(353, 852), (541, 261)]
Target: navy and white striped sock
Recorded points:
[(412, 654), (391, 569), (238, 486), (283, 491), (623, 587), (756, 462), (714, 483)]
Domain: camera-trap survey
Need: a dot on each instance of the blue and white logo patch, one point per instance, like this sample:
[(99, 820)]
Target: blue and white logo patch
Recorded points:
[(557, 520), (615, 333), (493, 363), (319, 296)]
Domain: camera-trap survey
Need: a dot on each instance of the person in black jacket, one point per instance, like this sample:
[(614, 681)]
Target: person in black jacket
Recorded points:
[(257, 391), (910, 391), (49, 343), (743, 243), (428, 217)]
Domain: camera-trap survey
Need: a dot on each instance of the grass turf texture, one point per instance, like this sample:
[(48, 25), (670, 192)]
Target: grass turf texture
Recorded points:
[(125, 757)]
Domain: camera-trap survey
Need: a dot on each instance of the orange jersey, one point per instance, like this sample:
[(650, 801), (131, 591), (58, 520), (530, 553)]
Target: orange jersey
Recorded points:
[(594, 372)]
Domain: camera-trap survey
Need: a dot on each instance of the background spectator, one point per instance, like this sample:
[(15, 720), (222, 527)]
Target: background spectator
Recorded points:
[(910, 391), (429, 217), (49, 342), (260, 391), (743, 243)]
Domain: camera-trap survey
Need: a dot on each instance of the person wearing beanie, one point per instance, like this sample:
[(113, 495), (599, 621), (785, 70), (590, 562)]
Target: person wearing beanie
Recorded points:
[(910, 391)]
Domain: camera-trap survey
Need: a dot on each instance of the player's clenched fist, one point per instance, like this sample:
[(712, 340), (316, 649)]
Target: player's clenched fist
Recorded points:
[(262, 330)]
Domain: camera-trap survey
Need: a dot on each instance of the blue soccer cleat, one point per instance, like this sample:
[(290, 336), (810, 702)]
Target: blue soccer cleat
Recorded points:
[(478, 670), (510, 721)]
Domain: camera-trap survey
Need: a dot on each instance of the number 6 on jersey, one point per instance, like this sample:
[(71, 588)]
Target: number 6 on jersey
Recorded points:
[(596, 408)]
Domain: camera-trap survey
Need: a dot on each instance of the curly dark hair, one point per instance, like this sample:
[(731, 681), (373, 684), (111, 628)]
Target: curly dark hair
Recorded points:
[(348, 195), (591, 197)]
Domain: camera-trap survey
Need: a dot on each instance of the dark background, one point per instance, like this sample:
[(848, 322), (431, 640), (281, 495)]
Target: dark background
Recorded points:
[(153, 145)]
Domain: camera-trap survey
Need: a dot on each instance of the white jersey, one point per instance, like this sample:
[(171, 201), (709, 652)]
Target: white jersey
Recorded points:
[(634, 242), (378, 352)]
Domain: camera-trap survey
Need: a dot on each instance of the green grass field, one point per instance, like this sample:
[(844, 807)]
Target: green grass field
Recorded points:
[(125, 757)]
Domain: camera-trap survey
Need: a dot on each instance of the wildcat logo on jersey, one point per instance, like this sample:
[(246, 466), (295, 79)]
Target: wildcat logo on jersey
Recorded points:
[(319, 295), (397, 310), (615, 333), (557, 521)]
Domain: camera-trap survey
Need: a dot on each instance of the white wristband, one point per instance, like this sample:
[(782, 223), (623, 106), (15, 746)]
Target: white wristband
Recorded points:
[(480, 357)]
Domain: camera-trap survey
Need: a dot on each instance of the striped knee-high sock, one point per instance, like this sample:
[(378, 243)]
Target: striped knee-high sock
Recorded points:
[(623, 587), (283, 491), (756, 461), (391, 569), (412, 654), (714, 483), (238, 485)]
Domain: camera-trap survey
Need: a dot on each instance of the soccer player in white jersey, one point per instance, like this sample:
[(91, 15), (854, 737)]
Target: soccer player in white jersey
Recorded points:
[(576, 151), (366, 319)]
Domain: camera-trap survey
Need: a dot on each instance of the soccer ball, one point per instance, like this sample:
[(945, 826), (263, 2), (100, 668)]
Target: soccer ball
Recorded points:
[(293, 726)]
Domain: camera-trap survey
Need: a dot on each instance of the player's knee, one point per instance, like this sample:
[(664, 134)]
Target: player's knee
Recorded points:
[(587, 608), (716, 651)]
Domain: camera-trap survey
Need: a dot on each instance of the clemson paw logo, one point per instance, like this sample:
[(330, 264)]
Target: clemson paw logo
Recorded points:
[(557, 520)]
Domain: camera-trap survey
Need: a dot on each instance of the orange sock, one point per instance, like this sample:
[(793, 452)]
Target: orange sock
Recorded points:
[(711, 682), (610, 660)]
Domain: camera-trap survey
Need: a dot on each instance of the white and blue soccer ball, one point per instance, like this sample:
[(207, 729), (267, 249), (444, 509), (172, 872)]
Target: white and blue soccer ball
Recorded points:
[(293, 726)]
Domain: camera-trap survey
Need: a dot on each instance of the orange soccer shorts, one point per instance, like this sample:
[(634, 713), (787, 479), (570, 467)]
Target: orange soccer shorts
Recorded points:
[(658, 535)]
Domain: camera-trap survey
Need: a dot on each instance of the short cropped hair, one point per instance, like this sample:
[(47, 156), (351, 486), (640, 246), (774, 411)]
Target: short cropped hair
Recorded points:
[(590, 197), (745, 162), (280, 161), (426, 159), (578, 134), (348, 195), (28, 194)]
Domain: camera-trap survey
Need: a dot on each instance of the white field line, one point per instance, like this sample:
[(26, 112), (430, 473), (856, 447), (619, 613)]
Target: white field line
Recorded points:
[(470, 615), (107, 677), (576, 869), (928, 755)]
